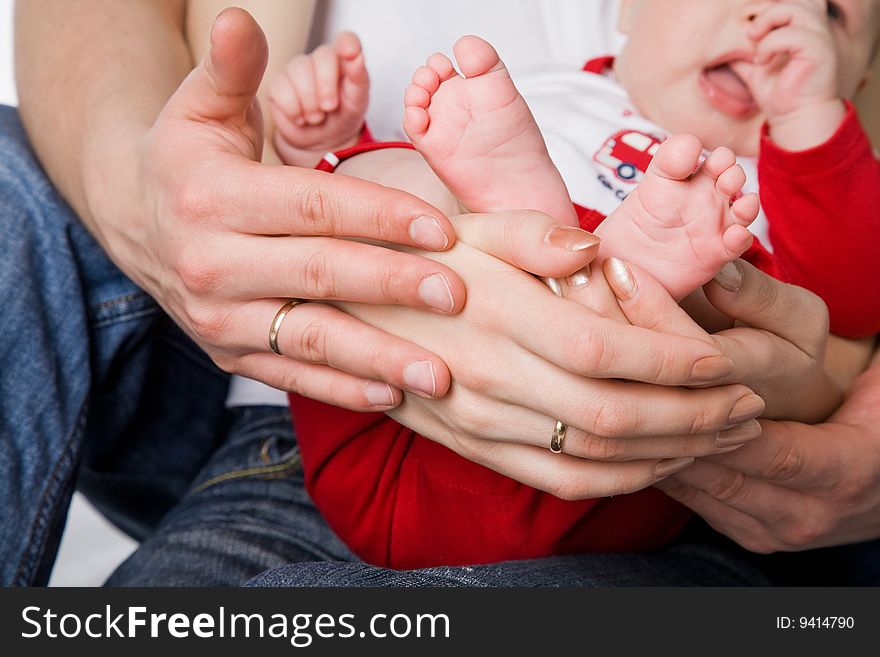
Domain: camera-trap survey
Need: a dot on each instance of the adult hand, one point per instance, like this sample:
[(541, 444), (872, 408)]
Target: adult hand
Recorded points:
[(523, 358), (777, 346), (179, 200), (799, 487), (222, 242)]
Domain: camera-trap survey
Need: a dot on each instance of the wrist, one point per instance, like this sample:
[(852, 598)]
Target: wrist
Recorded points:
[(112, 177), (807, 126)]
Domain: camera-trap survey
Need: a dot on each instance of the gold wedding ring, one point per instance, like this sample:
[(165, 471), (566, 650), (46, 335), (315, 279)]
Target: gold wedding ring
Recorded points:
[(557, 440), (276, 323)]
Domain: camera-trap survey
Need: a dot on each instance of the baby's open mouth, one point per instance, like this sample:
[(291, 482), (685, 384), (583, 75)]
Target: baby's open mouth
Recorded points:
[(727, 90)]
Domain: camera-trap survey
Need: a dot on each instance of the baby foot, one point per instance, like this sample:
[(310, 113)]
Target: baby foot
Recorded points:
[(478, 135), (319, 101), (679, 224)]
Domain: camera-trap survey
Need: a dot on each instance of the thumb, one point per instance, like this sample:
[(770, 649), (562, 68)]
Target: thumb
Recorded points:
[(224, 85)]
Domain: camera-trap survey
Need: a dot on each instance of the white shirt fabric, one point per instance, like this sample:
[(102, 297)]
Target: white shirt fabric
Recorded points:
[(596, 137), (398, 36)]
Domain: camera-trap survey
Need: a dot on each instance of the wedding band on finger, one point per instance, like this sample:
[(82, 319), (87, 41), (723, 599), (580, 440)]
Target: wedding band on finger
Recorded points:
[(276, 323), (557, 440)]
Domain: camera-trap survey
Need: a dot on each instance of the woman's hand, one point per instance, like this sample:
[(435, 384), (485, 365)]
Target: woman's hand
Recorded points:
[(523, 358)]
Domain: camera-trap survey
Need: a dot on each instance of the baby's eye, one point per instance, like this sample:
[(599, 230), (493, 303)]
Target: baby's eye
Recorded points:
[(835, 13)]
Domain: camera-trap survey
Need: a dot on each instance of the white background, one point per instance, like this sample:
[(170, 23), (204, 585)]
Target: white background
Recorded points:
[(91, 547)]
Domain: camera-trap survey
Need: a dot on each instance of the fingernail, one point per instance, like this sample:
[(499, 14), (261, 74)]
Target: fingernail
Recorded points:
[(570, 238), (738, 435), (620, 278), (671, 466), (315, 118), (711, 368), (419, 378), (435, 292), (554, 285), (299, 121), (426, 232), (747, 408), (328, 105), (379, 394), (730, 277), (579, 278)]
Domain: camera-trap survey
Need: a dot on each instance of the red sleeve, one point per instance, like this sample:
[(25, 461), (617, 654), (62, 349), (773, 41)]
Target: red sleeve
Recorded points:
[(823, 206)]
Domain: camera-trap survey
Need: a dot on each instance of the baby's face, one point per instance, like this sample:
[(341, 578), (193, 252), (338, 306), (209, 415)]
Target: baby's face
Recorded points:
[(683, 61)]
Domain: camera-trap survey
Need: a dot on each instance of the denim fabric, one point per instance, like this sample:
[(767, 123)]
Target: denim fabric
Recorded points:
[(100, 390), (247, 511), (94, 378)]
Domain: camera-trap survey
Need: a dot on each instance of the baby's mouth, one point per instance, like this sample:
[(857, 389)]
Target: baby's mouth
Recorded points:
[(727, 91)]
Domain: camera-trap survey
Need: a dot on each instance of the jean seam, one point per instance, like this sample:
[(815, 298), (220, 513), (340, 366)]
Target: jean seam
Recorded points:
[(128, 317), (277, 471), (259, 423), (47, 507)]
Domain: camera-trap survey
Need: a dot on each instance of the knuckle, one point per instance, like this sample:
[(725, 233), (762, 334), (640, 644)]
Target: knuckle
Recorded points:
[(291, 380), (664, 366), (612, 419), (570, 488), (728, 487), (192, 202), (310, 206), (209, 325), (312, 342), (590, 349), (317, 277), (703, 420), (390, 281), (478, 380), (786, 463), (805, 531), (605, 449), (198, 274), (473, 421)]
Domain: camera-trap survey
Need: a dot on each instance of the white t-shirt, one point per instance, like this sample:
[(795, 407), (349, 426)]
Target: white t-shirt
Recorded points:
[(596, 137), (398, 36)]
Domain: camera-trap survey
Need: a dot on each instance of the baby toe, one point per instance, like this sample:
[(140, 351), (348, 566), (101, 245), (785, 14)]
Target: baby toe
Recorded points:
[(731, 180), (719, 161), (416, 96), (415, 122), (475, 56), (745, 209), (441, 65), (677, 158), (427, 78)]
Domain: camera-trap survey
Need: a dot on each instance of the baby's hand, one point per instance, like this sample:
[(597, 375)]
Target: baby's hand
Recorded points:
[(318, 101), (794, 80)]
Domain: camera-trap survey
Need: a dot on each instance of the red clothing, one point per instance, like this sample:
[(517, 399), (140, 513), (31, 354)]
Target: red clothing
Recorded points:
[(823, 207), (403, 501)]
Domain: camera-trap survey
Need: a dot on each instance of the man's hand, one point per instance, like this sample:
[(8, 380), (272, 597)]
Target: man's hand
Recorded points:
[(798, 487), (182, 205)]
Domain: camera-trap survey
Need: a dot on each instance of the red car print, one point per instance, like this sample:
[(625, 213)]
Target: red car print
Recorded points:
[(628, 153)]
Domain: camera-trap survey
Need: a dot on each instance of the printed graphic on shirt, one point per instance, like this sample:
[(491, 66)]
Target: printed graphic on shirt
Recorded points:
[(627, 153)]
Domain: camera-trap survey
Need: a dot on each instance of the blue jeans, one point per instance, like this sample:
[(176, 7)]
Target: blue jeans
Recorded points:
[(100, 391)]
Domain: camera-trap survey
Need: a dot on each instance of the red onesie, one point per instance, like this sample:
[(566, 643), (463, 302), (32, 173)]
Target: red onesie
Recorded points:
[(403, 501)]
